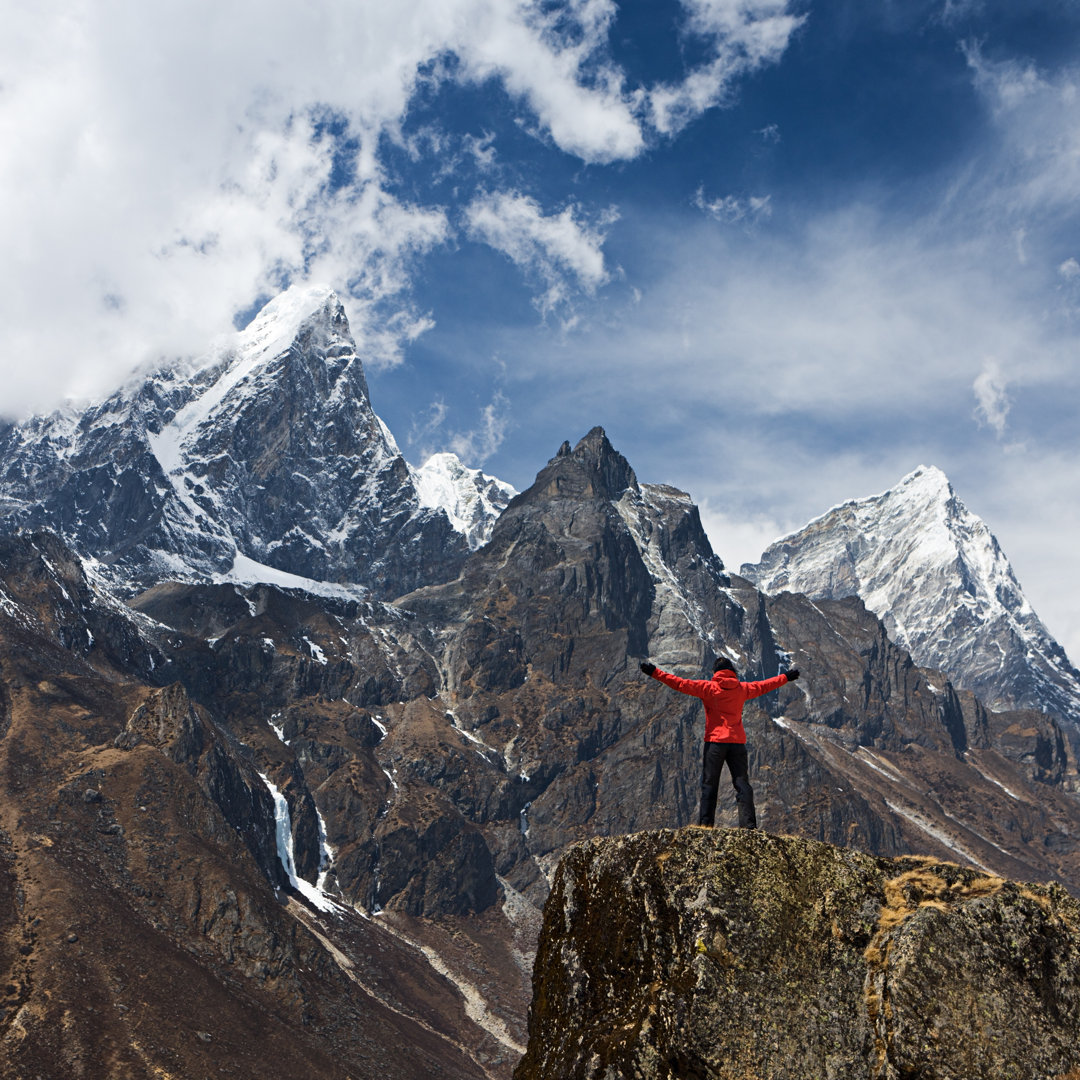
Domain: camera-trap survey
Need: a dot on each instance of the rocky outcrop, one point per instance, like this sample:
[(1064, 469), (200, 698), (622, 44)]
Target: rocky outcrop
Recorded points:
[(701, 953)]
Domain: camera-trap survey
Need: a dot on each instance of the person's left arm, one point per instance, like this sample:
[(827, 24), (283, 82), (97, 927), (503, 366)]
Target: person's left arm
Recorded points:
[(765, 686)]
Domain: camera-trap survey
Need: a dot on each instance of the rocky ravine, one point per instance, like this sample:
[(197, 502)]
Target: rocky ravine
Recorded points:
[(722, 954)]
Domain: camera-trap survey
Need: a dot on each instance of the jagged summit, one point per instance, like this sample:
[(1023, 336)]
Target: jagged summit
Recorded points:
[(265, 453), (937, 577), (471, 499), (593, 468)]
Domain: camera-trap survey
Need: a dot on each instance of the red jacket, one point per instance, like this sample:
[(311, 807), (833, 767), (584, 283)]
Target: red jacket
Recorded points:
[(724, 697)]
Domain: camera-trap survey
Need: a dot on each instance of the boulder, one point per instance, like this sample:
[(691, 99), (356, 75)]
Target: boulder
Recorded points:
[(700, 953)]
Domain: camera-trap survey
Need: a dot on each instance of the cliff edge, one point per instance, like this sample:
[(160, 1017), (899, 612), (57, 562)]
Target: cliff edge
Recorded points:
[(693, 954)]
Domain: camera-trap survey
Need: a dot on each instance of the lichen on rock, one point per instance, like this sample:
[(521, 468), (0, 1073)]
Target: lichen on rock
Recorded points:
[(674, 955)]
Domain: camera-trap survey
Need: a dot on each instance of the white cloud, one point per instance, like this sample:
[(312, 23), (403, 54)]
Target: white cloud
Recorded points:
[(473, 446), (559, 250), (732, 208), (992, 401), (476, 446), (523, 45), (739, 538), (166, 164), (741, 35)]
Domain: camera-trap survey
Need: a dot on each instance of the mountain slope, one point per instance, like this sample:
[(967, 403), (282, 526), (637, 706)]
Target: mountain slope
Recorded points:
[(146, 926), (936, 576), (265, 453)]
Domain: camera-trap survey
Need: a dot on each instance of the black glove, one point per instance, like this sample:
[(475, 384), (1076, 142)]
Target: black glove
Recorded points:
[(792, 675), (648, 668)]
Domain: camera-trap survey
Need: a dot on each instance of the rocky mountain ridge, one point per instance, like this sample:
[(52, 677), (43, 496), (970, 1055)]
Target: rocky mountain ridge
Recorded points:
[(399, 764), (199, 470)]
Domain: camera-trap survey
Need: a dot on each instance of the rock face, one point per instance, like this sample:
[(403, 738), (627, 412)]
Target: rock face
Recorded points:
[(670, 955), (265, 454), (935, 575)]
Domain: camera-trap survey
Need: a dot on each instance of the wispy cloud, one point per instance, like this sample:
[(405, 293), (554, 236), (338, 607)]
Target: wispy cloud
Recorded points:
[(1033, 168), (991, 397), (740, 36), (733, 208), (474, 447), (561, 252), (431, 434)]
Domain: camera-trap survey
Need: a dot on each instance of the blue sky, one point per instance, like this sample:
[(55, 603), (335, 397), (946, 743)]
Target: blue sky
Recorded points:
[(784, 251)]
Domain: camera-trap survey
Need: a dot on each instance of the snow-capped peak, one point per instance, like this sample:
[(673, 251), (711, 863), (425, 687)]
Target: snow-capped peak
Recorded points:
[(471, 499), (277, 325), (265, 449), (937, 577), (273, 331)]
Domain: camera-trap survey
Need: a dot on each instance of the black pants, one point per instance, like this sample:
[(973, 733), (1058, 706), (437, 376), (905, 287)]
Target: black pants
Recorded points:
[(716, 753)]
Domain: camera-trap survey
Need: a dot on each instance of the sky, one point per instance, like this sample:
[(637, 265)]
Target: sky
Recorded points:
[(783, 251)]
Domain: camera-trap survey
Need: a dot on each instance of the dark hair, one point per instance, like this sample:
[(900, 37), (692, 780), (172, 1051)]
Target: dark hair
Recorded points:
[(722, 664)]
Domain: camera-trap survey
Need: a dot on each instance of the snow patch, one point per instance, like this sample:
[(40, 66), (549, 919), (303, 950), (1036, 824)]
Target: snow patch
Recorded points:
[(246, 571), (278, 726), (316, 652), (476, 1008)]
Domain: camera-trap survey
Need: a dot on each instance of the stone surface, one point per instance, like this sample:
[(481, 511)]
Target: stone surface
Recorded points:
[(720, 954)]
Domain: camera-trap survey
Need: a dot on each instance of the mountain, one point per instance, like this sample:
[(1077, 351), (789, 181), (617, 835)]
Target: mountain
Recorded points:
[(667, 955), (262, 458), (471, 499), (938, 579), (420, 767), (360, 771)]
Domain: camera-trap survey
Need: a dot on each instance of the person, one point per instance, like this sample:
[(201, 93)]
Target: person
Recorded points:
[(725, 738)]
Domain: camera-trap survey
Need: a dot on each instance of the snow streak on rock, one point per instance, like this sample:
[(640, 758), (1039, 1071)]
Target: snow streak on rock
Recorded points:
[(283, 821)]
